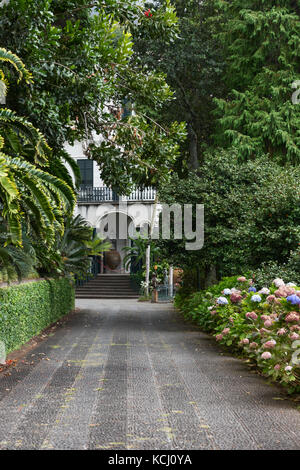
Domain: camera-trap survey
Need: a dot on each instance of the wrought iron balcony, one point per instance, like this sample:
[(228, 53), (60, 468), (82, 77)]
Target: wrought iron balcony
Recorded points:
[(88, 194)]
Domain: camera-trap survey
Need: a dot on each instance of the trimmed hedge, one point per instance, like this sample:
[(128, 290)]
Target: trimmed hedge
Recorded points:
[(27, 309)]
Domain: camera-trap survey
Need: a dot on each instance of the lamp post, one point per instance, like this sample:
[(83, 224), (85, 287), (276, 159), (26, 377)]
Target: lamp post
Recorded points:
[(148, 250)]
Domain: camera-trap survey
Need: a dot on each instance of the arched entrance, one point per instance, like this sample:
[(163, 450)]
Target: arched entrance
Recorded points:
[(114, 227)]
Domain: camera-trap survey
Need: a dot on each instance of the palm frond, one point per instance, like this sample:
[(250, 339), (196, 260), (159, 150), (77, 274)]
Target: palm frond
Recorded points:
[(9, 120), (16, 62), (55, 185)]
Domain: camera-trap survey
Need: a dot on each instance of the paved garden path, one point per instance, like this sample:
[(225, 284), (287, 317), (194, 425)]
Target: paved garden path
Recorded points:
[(130, 375)]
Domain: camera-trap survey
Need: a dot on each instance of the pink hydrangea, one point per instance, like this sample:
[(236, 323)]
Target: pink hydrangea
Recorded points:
[(295, 328), (289, 290), (245, 341), (284, 291), (242, 279), (253, 345), (268, 323), (270, 298), (231, 320), (265, 317), (226, 331), (266, 355), (251, 315), (270, 344), (294, 336), (235, 291), (264, 331), (292, 316), (281, 332), (219, 337), (277, 367), (288, 368), (213, 312), (235, 298)]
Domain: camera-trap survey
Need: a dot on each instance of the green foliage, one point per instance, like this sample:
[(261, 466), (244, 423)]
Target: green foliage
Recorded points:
[(28, 194), (15, 262), (195, 306), (72, 252), (138, 251), (261, 43), (15, 61), (27, 309), (251, 328), (289, 271), (193, 66), (252, 213), (82, 60)]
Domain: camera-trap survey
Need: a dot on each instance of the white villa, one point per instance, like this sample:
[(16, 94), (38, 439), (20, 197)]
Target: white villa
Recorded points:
[(96, 203)]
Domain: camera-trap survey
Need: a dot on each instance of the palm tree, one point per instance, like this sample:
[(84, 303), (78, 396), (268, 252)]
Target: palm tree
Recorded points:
[(15, 262), (137, 252), (28, 193), (78, 244)]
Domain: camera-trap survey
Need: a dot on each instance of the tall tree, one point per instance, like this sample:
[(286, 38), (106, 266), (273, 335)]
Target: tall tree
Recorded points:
[(27, 193), (262, 43), (81, 56), (192, 62)]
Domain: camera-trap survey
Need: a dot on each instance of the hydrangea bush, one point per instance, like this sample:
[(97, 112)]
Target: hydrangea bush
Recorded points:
[(263, 324)]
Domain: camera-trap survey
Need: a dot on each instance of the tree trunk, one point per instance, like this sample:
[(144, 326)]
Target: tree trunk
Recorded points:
[(211, 276), (193, 148)]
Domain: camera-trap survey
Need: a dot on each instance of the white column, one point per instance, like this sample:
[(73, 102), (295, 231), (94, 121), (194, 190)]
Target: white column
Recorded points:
[(171, 281)]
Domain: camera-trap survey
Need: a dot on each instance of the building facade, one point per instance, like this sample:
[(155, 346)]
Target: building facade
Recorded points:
[(114, 217)]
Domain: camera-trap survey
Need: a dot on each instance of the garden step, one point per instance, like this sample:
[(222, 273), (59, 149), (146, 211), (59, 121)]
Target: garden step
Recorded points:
[(102, 281), (103, 291), (103, 296), (107, 286)]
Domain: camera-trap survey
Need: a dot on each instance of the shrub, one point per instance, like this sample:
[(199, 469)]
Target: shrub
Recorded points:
[(27, 309), (289, 271), (263, 324), (252, 213)]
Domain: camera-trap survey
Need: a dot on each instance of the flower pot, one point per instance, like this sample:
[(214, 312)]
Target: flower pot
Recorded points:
[(113, 259)]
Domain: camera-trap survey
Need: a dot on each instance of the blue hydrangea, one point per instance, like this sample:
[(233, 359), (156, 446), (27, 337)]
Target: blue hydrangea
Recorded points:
[(252, 289), (294, 299), (256, 298), (227, 292), (222, 301)]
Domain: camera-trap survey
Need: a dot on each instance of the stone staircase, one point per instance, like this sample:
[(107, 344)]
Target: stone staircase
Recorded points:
[(107, 286)]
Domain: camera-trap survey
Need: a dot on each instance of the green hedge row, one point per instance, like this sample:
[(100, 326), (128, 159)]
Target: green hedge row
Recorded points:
[(27, 309)]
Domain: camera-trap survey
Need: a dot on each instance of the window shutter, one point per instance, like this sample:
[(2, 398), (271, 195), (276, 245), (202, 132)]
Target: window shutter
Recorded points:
[(87, 172)]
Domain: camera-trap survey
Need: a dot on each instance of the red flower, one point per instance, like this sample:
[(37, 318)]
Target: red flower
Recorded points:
[(148, 13)]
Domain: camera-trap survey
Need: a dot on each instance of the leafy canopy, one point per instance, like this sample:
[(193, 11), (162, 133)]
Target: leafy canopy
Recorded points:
[(82, 59), (262, 47)]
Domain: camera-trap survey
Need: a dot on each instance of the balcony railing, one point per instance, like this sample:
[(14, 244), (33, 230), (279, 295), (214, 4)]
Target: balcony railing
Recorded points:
[(104, 194), (90, 194), (146, 194)]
